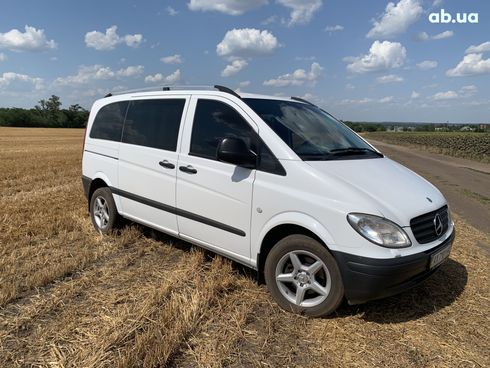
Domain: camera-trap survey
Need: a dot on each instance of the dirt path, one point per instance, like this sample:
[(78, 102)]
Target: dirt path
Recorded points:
[(465, 183)]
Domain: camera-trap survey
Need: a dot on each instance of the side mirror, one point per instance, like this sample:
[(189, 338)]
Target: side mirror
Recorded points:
[(236, 152)]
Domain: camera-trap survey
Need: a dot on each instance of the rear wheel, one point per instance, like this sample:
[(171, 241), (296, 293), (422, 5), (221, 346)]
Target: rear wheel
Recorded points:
[(103, 211), (303, 276)]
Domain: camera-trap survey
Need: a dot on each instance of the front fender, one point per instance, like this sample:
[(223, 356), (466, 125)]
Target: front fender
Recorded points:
[(299, 219)]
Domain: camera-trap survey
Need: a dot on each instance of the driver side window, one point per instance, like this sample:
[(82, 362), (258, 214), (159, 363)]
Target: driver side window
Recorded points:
[(213, 121)]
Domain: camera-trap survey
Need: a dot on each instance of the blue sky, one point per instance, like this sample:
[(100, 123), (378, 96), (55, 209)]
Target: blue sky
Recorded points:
[(361, 60)]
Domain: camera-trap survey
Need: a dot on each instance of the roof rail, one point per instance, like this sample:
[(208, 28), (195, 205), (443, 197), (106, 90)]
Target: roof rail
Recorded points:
[(302, 100), (227, 90), (181, 87)]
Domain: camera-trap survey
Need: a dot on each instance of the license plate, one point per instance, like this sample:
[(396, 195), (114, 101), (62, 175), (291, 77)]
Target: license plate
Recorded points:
[(437, 258)]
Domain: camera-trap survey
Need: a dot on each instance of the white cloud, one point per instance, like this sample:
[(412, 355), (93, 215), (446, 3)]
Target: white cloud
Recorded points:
[(296, 78), (449, 95), (92, 73), (132, 40), (427, 64), (437, 3), (154, 78), (350, 86), (366, 100), (172, 59), (245, 83), (3, 57), (8, 79), (396, 19), (86, 74), (247, 42), (424, 36), (305, 58), (302, 11), (414, 95), (390, 78), (443, 35), (382, 56), (335, 28), (101, 41), (231, 7), (110, 39), (233, 68), (472, 64), (31, 40), (361, 101), (174, 77), (169, 79), (270, 20), (171, 11), (386, 99), (468, 91), (131, 71), (478, 49)]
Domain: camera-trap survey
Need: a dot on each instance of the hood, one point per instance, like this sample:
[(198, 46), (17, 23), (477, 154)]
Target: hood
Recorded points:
[(398, 193)]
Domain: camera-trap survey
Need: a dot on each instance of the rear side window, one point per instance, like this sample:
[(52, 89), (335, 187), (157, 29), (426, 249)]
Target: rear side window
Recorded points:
[(213, 121), (109, 121), (154, 123)]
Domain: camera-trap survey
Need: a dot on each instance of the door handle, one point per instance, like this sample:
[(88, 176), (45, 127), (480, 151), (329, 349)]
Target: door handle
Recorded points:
[(188, 169), (167, 164)]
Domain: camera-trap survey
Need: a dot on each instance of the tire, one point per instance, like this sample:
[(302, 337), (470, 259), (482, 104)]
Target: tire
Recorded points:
[(103, 211), (303, 277)]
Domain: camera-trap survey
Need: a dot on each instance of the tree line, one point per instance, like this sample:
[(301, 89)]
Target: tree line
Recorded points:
[(365, 127), (48, 113)]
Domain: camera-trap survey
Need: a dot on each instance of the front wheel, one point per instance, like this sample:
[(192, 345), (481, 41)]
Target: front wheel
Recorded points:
[(103, 211), (303, 276)]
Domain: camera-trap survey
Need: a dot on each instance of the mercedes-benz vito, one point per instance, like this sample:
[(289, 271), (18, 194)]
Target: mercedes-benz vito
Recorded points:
[(274, 183)]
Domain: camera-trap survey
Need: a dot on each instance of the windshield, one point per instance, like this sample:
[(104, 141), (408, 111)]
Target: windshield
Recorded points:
[(310, 132)]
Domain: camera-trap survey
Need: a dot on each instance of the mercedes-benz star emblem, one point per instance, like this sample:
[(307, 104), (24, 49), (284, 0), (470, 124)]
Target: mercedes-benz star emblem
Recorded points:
[(438, 224)]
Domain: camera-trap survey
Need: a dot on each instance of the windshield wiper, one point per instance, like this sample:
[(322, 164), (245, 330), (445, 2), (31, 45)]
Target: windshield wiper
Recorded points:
[(317, 156), (353, 151)]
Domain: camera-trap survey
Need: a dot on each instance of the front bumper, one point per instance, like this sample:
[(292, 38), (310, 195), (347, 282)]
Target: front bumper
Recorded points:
[(369, 278)]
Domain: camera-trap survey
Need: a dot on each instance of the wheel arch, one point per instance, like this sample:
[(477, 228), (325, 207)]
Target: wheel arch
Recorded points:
[(94, 185), (285, 225), (99, 180)]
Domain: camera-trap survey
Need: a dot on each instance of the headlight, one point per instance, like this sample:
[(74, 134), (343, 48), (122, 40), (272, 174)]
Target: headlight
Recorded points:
[(379, 230)]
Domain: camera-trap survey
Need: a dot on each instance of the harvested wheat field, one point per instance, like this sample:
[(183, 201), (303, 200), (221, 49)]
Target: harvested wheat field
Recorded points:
[(72, 298)]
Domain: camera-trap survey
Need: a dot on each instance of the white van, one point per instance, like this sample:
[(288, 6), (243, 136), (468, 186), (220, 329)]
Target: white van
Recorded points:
[(274, 183)]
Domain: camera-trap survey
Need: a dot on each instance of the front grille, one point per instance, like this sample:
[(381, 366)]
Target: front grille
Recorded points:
[(423, 226)]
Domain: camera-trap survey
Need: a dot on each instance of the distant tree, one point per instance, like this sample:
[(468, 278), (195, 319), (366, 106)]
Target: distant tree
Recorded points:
[(75, 108), (41, 106), (53, 104), (77, 116)]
